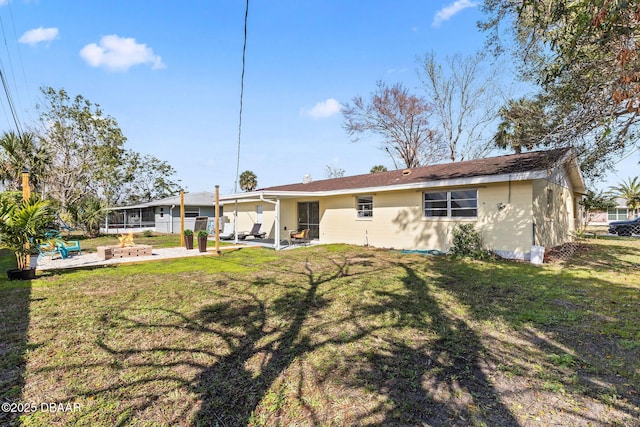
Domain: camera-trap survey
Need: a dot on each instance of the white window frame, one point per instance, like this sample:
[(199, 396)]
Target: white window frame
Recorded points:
[(362, 212), (446, 204), (191, 212)]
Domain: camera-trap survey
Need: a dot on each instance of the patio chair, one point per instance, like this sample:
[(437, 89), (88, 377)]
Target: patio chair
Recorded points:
[(300, 236), (71, 246), (52, 248), (228, 231), (255, 232)]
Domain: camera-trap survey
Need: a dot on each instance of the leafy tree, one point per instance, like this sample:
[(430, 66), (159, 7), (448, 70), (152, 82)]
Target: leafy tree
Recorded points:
[(595, 202), (333, 172), (85, 145), (585, 56), (629, 190), (522, 125), (378, 168), (401, 119), (248, 181), (89, 213), (464, 95), (19, 151), (151, 178), (23, 222)]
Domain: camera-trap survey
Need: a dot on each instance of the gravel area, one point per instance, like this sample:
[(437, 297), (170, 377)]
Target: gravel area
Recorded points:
[(92, 259)]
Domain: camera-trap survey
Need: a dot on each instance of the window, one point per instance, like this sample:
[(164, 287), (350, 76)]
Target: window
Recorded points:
[(460, 203), (617, 214), (364, 206), (191, 212)]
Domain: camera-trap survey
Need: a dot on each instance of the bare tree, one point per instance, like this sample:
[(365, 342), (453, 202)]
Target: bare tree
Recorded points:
[(333, 172), (401, 119), (465, 97)]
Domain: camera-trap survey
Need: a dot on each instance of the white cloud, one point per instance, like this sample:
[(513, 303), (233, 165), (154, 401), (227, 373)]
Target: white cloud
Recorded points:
[(119, 54), (39, 35), (448, 12), (323, 109)]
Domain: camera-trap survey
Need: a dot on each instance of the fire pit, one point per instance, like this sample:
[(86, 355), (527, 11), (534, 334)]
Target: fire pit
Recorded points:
[(126, 249), (108, 252)]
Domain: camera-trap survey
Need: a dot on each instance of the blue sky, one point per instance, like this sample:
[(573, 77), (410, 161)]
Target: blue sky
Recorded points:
[(169, 73)]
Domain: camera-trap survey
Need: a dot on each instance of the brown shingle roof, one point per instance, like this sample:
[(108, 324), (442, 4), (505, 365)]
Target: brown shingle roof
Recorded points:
[(509, 164)]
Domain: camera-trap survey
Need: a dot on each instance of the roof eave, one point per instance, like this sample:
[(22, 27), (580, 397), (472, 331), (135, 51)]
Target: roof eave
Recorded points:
[(455, 182)]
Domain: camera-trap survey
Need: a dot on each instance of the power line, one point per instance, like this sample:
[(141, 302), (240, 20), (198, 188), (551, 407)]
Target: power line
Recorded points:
[(244, 51)]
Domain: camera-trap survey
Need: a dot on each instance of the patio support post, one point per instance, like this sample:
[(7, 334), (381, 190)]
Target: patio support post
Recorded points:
[(277, 247), (182, 218), (277, 220), (216, 219)]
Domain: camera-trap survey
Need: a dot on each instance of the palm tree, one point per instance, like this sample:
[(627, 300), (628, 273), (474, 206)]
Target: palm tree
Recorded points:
[(630, 191), (248, 181), (18, 152)]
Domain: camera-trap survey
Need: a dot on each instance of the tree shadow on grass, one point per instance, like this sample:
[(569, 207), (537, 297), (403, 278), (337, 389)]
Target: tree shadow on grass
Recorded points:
[(232, 389), (556, 344), (439, 381), (15, 305)]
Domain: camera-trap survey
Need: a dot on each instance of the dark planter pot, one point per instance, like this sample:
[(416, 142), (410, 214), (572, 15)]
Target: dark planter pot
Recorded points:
[(15, 274), (188, 241), (202, 243)]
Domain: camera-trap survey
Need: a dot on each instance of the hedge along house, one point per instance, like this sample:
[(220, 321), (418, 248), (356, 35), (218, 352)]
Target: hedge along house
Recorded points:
[(514, 201), (161, 215)]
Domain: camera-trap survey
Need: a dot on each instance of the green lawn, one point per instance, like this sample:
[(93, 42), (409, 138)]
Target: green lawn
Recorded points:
[(329, 335)]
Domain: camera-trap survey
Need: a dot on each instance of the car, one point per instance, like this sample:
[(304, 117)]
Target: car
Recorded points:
[(625, 228)]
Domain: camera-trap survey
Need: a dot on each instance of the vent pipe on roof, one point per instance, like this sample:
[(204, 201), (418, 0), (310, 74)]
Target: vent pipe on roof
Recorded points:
[(406, 172), (307, 179)]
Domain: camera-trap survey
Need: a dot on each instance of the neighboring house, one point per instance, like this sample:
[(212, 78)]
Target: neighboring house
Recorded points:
[(162, 215), (514, 201), (618, 213)]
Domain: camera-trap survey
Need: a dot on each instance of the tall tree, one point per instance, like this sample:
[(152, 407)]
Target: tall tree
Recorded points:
[(401, 119), (630, 191), (86, 146), (248, 181), (465, 97), (152, 178), (20, 151), (585, 56)]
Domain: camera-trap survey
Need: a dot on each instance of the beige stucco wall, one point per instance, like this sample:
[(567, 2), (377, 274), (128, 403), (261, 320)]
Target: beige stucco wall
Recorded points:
[(506, 230), (506, 213), (398, 220), (555, 210)]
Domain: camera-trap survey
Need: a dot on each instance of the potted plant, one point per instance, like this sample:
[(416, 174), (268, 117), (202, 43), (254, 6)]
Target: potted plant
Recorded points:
[(23, 223), (188, 239), (202, 240)]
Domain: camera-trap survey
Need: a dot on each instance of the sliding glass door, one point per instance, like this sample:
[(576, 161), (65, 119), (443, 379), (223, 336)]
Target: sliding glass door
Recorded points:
[(309, 217)]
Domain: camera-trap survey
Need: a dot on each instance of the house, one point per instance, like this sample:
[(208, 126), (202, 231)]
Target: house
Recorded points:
[(514, 201), (618, 213), (162, 215)]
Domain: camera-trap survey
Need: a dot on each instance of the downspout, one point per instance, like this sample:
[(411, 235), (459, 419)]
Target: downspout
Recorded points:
[(171, 219), (277, 219)]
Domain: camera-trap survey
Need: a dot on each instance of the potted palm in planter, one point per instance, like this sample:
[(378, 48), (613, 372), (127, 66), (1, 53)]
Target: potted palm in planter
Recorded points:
[(188, 239), (23, 223), (202, 240)]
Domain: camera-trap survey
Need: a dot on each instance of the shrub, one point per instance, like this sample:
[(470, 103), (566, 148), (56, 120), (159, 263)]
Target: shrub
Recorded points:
[(467, 242), (203, 233), (188, 232), (147, 233)]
